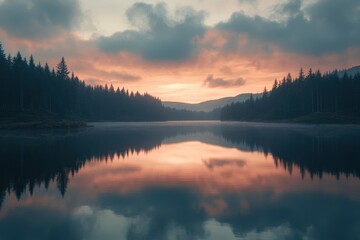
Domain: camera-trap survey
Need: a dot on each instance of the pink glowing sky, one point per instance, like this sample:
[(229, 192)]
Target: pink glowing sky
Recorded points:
[(187, 51)]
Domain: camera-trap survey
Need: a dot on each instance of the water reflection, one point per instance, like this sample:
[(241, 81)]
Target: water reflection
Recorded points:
[(182, 181), (317, 150)]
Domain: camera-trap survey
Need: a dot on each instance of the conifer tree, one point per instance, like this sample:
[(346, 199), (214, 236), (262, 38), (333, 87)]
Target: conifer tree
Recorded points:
[(62, 71)]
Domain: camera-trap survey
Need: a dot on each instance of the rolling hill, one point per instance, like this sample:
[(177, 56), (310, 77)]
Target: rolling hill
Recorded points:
[(210, 105)]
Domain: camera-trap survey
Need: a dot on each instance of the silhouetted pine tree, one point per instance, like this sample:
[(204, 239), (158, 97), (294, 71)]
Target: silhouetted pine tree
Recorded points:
[(304, 95), (36, 90), (62, 71)]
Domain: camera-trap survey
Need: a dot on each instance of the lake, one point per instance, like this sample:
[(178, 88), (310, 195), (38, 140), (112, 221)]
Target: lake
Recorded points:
[(181, 180)]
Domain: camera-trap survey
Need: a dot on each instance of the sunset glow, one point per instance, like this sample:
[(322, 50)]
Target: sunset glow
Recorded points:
[(171, 49), (212, 170)]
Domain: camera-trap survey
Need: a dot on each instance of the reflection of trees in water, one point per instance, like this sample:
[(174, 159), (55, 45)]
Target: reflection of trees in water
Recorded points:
[(2, 197), (335, 151), (26, 162)]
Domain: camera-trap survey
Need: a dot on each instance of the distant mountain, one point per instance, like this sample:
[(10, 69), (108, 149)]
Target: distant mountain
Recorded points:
[(210, 105), (350, 71)]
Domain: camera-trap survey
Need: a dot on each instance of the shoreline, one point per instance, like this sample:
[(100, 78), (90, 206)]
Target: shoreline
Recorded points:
[(314, 119), (44, 124)]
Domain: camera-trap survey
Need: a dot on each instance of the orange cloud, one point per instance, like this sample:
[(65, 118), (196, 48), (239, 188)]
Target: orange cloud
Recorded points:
[(181, 81)]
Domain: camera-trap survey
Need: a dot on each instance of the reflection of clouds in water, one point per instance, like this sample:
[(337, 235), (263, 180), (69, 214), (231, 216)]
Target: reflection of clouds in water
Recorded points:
[(105, 224), (176, 214), (216, 231), (283, 231), (40, 223), (171, 193), (216, 162)]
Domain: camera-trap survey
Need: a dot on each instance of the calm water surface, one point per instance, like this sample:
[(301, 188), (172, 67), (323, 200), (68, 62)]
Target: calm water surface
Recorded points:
[(181, 180)]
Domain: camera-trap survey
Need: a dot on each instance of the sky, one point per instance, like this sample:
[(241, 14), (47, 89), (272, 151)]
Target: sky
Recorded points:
[(189, 50)]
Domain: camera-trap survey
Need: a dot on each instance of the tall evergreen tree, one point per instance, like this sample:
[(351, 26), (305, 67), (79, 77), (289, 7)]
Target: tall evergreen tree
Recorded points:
[(62, 71)]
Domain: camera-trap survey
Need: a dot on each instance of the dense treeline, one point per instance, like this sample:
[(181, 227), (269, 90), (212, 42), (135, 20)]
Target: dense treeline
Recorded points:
[(311, 95), (31, 89)]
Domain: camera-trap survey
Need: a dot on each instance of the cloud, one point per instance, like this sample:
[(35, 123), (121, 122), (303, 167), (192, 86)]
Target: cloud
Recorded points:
[(127, 77), (117, 75), (327, 26), (252, 2), (94, 72), (36, 19), (158, 37), (290, 8), (212, 82)]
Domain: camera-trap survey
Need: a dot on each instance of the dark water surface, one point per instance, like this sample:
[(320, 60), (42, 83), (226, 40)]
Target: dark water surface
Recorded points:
[(177, 180)]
